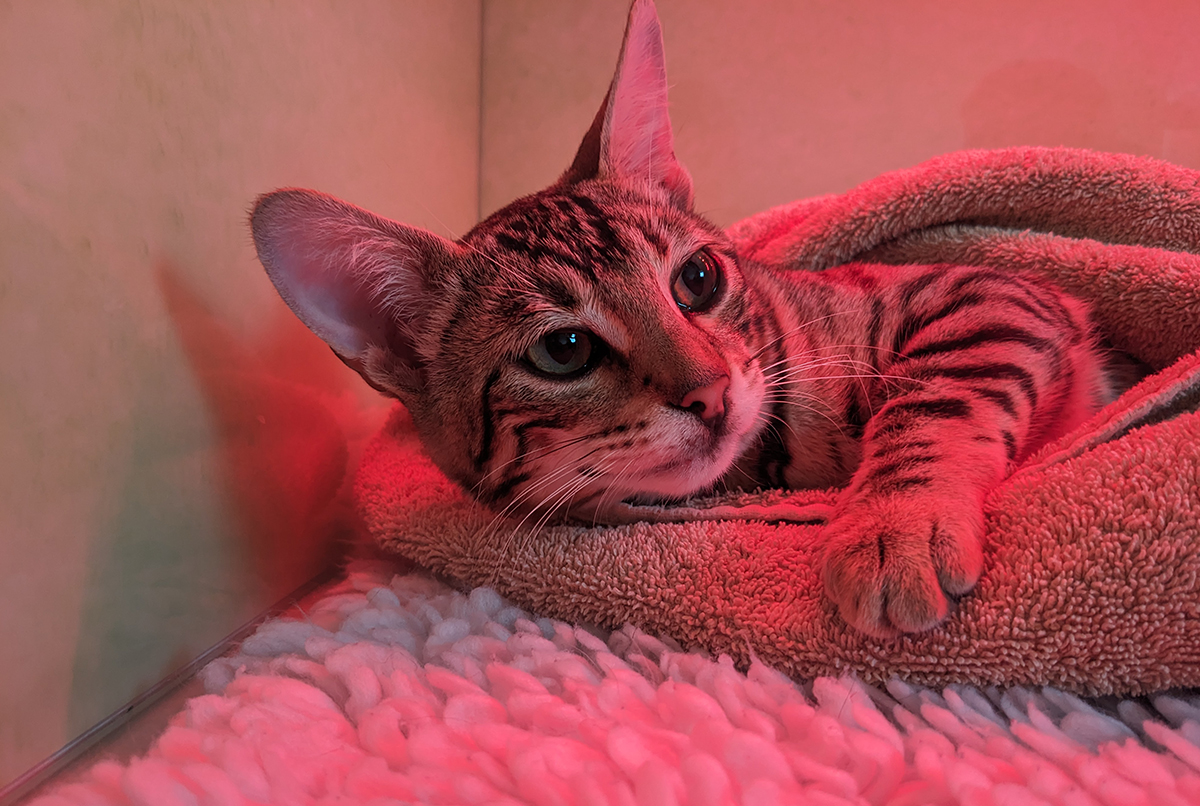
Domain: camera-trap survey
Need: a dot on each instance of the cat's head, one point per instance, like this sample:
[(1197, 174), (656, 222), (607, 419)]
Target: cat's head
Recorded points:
[(591, 343)]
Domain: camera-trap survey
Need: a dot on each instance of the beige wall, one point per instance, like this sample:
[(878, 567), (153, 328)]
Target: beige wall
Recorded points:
[(171, 439), (774, 100)]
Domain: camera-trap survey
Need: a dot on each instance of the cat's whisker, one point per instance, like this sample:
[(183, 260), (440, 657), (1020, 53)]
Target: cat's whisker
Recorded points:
[(806, 324), (838, 426), (530, 490), (795, 360), (767, 418), (857, 345), (556, 500), (825, 348), (603, 493), (840, 359), (793, 397), (796, 329), (816, 376), (784, 376), (608, 491), (788, 396), (793, 379), (534, 487), (560, 499), (818, 370), (528, 456), (815, 405), (553, 449), (549, 506), (790, 384), (789, 365), (508, 541), (516, 501)]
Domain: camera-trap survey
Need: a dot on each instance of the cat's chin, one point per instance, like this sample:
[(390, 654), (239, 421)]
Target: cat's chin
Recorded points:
[(664, 487), (675, 480), (609, 508), (623, 513)]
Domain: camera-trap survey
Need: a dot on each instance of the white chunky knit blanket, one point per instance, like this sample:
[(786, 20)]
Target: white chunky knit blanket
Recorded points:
[(399, 689)]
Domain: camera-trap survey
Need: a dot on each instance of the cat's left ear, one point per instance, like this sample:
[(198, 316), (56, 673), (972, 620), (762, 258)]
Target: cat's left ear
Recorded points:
[(630, 137), (360, 282)]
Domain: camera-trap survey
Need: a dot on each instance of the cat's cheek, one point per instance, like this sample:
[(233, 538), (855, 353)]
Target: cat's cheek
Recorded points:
[(447, 447), (747, 405)]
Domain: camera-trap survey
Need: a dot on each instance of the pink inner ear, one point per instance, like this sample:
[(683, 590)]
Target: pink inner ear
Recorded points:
[(316, 263), (352, 277), (639, 131)]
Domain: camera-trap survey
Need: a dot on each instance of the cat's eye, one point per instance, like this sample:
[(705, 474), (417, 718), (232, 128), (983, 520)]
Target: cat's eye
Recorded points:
[(696, 286), (565, 352)]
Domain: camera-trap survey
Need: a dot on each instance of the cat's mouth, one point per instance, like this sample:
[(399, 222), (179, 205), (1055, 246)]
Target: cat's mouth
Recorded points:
[(694, 465), (700, 453), (706, 445)]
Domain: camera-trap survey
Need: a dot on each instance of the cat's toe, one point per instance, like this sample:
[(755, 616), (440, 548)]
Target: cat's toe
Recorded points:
[(852, 575), (957, 553), (881, 584), (915, 600), (889, 569)]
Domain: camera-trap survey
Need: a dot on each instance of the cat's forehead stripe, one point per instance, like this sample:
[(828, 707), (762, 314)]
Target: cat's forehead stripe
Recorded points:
[(560, 228), (654, 238), (557, 292), (589, 231)]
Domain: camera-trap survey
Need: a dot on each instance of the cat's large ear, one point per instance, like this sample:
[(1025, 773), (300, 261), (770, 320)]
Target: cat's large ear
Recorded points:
[(631, 134), (358, 281)]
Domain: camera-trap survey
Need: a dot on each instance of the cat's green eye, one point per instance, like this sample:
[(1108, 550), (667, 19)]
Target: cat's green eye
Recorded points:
[(695, 287), (565, 352)]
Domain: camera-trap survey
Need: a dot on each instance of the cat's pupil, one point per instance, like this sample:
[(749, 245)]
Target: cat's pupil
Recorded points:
[(696, 286), (563, 345), (698, 279)]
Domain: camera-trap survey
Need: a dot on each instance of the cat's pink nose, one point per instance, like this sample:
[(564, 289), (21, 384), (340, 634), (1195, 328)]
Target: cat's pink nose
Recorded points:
[(707, 401)]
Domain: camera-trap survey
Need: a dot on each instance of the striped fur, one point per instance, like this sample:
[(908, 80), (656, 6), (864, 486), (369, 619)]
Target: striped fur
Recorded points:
[(913, 387)]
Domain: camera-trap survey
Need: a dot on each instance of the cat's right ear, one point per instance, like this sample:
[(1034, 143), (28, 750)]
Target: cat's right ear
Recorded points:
[(356, 280), (631, 135)]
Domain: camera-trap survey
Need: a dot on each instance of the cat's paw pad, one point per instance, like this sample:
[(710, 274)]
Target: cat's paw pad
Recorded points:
[(889, 565)]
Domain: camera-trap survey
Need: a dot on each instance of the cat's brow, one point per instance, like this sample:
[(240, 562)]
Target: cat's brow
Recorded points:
[(556, 227)]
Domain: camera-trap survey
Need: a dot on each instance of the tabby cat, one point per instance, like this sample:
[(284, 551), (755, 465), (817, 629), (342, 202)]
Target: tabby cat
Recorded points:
[(599, 346)]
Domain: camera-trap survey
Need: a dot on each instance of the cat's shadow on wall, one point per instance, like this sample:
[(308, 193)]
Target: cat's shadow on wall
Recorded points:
[(283, 411), (228, 503)]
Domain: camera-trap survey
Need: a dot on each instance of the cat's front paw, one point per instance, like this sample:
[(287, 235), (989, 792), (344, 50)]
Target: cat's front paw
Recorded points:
[(889, 564)]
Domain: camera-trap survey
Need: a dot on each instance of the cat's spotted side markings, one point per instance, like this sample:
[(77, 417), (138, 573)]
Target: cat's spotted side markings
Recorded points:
[(598, 345)]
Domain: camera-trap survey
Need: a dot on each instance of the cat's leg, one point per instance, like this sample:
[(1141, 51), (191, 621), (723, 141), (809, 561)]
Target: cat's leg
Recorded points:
[(906, 534), (984, 369)]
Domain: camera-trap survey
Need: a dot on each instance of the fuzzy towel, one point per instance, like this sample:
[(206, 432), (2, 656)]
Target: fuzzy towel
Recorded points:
[(1092, 578)]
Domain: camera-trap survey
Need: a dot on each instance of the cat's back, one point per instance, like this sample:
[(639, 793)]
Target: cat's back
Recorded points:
[(905, 302), (944, 323)]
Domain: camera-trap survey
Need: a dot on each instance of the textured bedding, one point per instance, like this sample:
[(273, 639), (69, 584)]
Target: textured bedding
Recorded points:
[(399, 689)]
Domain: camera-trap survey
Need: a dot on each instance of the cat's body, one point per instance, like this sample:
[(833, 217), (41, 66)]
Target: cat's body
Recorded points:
[(598, 345), (830, 350)]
